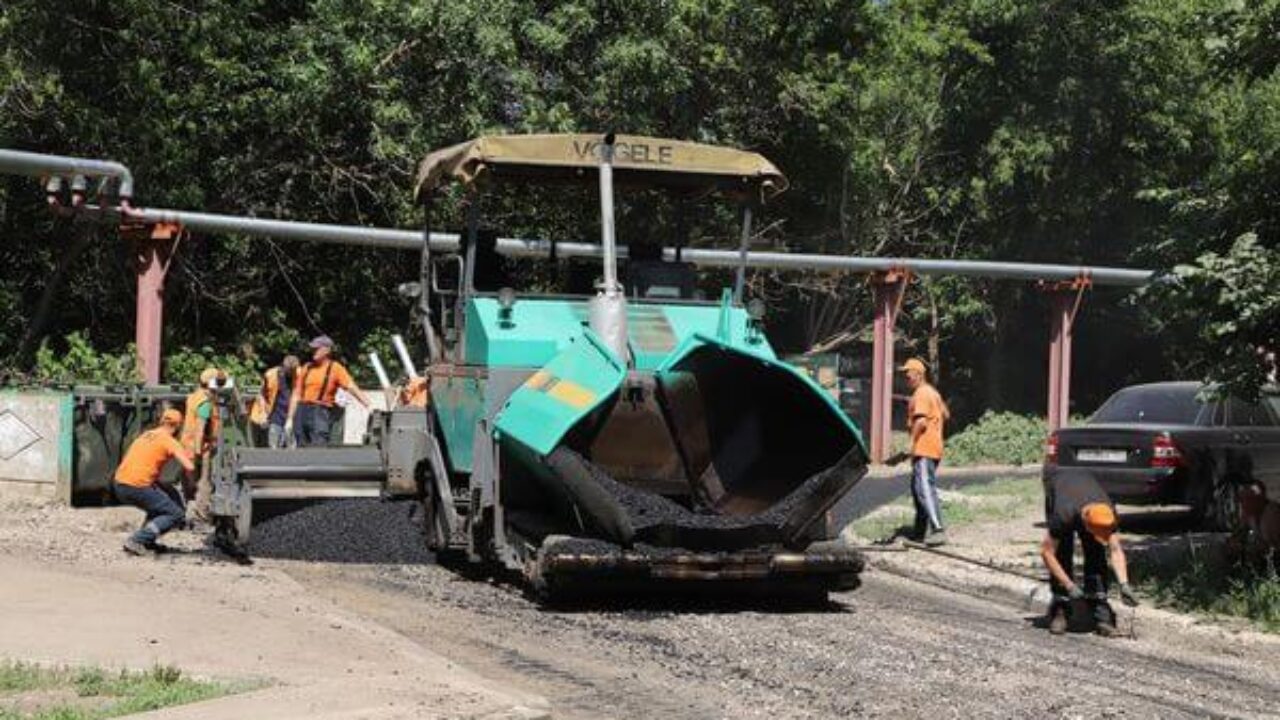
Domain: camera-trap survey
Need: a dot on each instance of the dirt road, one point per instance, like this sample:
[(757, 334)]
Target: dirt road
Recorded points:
[(893, 648)]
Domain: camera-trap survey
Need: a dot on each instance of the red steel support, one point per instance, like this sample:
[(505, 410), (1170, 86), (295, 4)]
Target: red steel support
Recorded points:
[(153, 247), (887, 290), (1064, 302)]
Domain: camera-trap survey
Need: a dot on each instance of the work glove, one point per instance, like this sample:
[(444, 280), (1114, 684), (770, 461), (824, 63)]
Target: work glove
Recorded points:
[(1075, 593), (1127, 596), (288, 429)]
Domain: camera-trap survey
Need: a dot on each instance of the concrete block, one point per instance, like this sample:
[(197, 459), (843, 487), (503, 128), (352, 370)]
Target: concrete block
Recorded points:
[(36, 438)]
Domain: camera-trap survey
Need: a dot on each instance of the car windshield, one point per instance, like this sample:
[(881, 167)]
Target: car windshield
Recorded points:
[(1156, 404)]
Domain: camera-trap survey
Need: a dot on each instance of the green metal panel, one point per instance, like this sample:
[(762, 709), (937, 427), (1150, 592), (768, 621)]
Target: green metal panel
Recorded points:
[(538, 329), (698, 340), (458, 403), (554, 399)]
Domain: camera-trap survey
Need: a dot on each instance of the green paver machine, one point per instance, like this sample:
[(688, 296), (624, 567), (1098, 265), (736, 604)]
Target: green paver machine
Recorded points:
[(610, 439)]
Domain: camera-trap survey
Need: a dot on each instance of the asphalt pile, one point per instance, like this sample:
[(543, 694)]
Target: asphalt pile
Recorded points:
[(343, 531)]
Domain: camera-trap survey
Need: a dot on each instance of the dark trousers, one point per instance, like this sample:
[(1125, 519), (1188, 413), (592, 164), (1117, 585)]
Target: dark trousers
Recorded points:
[(1095, 583), (162, 504), (312, 425)]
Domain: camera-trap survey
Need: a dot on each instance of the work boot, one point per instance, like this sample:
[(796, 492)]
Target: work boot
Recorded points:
[(1058, 621), (1106, 628), (133, 547), (936, 538)]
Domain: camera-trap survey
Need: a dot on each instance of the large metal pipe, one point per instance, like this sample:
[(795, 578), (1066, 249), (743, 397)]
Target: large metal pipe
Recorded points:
[(702, 257), (19, 162), (293, 230)]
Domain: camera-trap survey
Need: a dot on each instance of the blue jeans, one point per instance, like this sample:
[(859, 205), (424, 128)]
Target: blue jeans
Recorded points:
[(924, 492), (276, 437), (311, 426), (162, 504)]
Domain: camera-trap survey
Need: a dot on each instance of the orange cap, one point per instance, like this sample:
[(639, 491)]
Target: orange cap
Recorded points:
[(914, 364), (1099, 520), (171, 417)]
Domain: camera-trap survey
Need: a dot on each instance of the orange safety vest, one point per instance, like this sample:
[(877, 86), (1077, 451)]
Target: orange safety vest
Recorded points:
[(416, 393), (190, 421), (260, 413)]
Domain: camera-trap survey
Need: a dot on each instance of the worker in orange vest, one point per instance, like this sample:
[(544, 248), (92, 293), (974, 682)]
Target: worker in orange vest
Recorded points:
[(926, 414), (201, 426), (137, 482), (415, 393), (271, 407), (314, 392)]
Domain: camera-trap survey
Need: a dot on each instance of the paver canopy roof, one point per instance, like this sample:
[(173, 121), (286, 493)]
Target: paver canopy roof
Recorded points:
[(637, 160)]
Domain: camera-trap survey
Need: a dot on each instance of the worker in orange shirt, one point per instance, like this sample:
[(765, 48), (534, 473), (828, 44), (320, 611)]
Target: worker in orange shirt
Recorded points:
[(926, 414), (137, 482), (201, 426), (314, 392)]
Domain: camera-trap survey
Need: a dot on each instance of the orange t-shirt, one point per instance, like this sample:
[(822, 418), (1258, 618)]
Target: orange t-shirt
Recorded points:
[(926, 437), (318, 384), (146, 457)]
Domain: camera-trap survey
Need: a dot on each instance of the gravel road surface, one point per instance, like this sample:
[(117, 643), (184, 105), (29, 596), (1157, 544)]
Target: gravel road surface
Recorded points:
[(893, 648)]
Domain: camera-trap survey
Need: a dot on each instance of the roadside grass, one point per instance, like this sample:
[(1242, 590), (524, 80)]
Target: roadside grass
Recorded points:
[(1234, 587), (33, 692), (1004, 498)]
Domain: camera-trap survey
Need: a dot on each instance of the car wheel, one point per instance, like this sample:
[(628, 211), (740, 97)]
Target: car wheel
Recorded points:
[(1221, 510)]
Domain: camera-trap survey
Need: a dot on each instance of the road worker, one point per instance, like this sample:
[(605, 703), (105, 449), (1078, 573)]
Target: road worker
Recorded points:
[(314, 392), (271, 407), (416, 392), (200, 429), (1075, 505), (137, 482), (926, 414)]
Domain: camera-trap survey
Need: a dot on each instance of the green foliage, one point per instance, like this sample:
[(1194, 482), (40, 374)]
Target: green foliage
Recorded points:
[(185, 365), (80, 362), (1230, 303), (1144, 132), (999, 438)]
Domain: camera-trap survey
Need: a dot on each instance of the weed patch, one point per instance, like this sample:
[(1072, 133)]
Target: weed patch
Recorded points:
[(1237, 587), (32, 692)]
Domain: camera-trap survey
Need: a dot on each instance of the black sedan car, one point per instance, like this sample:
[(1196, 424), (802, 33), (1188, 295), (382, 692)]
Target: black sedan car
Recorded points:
[(1167, 444)]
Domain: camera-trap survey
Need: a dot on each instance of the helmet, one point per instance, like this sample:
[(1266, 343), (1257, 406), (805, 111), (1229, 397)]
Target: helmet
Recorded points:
[(1099, 520), (171, 417), (211, 374)]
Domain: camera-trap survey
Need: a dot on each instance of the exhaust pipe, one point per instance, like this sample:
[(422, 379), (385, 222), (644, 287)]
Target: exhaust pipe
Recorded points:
[(608, 309)]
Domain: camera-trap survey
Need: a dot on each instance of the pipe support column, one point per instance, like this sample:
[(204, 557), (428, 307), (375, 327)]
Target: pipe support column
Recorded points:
[(887, 293), (153, 248), (1064, 303)]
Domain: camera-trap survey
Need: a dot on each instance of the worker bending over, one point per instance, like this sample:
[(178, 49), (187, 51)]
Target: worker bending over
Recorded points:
[(314, 392), (137, 482), (1075, 505), (200, 429), (926, 413)]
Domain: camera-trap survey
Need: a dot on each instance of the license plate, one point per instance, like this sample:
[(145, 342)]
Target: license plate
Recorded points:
[(1102, 455)]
